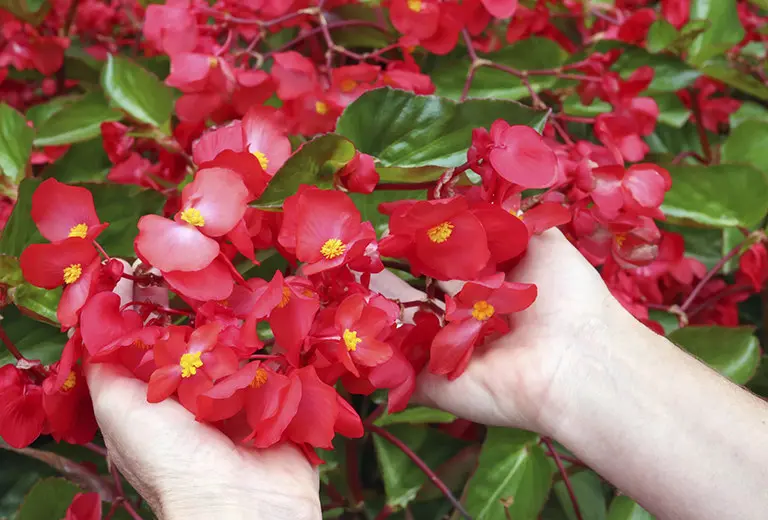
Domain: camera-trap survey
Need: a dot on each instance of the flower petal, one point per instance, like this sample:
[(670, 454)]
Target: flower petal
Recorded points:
[(174, 246)]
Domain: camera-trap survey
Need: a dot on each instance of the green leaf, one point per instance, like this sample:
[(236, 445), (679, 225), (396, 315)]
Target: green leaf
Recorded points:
[(369, 205), (535, 53), (670, 72), (20, 230), (512, 466), (138, 92), (38, 114), (34, 339), (703, 244), (725, 31), (588, 489), (83, 162), (719, 69), (624, 508), (762, 4), (110, 201), (410, 175), (416, 415), (748, 143), (407, 130), (77, 122), (15, 143), (48, 500), (402, 478), (725, 195), (573, 107), (732, 351), (660, 35), (37, 302), (10, 271), (672, 112), (316, 162), (747, 111), (32, 11)]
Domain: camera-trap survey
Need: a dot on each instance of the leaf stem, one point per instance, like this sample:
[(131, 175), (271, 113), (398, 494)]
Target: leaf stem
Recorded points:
[(703, 138), (37, 371), (381, 432), (564, 475)]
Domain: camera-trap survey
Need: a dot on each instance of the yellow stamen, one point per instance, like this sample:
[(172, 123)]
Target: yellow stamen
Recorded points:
[(141, 345), (332, 248), (72, 273), (348, 85), (517, 214), (482, 310), (351, 340), (193, 216), (260, 378), (286, 297), (440, 233), (321, 108), (414, 5), (79, 231), (213, 62), (263, 160), (69, 383), (620, 239), (190, 362)]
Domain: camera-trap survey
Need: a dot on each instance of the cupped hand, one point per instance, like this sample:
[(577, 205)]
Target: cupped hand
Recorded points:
[(518, 380), (189, 470)]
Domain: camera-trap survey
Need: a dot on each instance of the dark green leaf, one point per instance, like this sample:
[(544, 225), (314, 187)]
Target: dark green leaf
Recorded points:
[(732, 351), (403, 129), (573, 107), (314, 163), (77, 122), (20, 230), (735, 78), (670, 72), (410, 175), (732, 237), (34, 339), (624, 508), (416, 415), (48, 500), (138, 92), (402, 478), (660, 35), (83, 162), (534, 53), (725, 195), (668, 321), (111, 206), (725, 31), (588, 489), (748, 143), (759, 383), (15, 143), (512, 466)]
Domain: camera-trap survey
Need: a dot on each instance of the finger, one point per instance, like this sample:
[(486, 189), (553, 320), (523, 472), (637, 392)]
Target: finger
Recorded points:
[(124, 286), (390, 285)]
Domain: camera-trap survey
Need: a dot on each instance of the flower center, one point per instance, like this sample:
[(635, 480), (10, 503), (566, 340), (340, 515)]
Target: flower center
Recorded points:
[(69, 383), (260, 378), (441, 232), (482, 310), (263, 161), (141, 345), (79, 231), (321, 108), (213, 62), (620, 239), (190, 362), (414, 5), (193, 216), (348, 85), (332, 248), (286, 297), (351, 340), (72, 273)]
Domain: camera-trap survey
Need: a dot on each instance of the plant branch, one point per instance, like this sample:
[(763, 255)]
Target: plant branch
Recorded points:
[(37, 371), (564, 475), (422, 466), (353, 472)]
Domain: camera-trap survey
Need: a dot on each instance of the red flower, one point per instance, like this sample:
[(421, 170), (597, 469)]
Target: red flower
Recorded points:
[(61, 211), (22, 417), (715, 111), (85, 506), (500, 8), (67, 404), (53, 265), (753, 267), (295, 75), (96, 277), (473, 313), (189, 364), (323, 229), (417, 18), (171, 28), (359, 175), (292, 318), (638, 190), (676, 12)]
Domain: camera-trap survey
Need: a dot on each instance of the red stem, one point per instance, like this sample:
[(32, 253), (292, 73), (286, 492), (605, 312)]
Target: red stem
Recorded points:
[(703, 138), (712, 272), (733, 289), (156, 307), (101, 250), (353, 472), (422, 466), (37, 371), (564, 475), (385, 512)]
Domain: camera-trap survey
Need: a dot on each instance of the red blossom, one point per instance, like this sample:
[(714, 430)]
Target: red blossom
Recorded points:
[(85, 506), (22, 418)]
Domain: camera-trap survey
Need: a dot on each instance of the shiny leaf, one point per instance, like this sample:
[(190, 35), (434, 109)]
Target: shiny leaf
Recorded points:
[(406, 130), (721, 196), (76, 122), (15, 143), (732, 351), (660, 35), (512, 466), (624, 508), (588, 488)]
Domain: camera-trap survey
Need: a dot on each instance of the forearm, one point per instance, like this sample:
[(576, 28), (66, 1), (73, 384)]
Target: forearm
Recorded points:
[(662, 427)]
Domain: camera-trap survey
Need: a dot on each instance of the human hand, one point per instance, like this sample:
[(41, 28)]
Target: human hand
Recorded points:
[(186, 469), (520, 380)]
